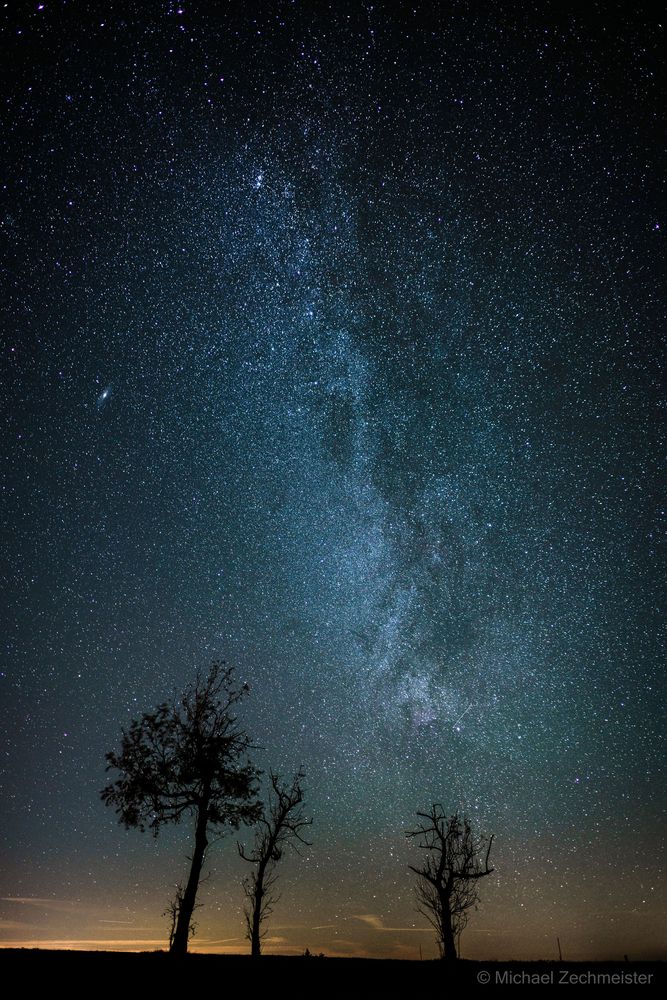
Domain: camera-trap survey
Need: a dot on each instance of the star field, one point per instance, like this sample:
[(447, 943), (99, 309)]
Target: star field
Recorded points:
[(332, 348)]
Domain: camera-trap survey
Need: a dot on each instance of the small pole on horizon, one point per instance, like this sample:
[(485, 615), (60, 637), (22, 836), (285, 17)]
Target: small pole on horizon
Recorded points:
[(560, 953)]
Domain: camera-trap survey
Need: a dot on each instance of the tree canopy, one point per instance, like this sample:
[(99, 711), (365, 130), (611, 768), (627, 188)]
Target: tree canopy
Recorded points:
[(187, 758)]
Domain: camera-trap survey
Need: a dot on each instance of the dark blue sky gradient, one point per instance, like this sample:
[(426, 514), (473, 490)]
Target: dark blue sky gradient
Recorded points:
[(332, 343)]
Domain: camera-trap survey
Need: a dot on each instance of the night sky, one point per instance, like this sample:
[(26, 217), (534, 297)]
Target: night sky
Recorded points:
[(332, 348)]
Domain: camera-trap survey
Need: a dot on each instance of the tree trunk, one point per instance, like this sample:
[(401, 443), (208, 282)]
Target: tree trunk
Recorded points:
[(255, 942), (257, 903), (179, 944), (449, 952), (449, 944)]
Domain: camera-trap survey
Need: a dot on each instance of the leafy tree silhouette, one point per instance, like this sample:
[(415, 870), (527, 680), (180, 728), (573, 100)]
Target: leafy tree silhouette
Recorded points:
[(187, 759), (448, 878)]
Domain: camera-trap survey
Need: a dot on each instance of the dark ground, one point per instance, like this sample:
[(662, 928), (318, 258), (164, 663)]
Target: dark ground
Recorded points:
[(72, 969)]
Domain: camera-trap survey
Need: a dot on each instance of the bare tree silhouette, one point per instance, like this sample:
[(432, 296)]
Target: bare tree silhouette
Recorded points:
[(174, 908), (448, 878), (188, 758), (280, 826)]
